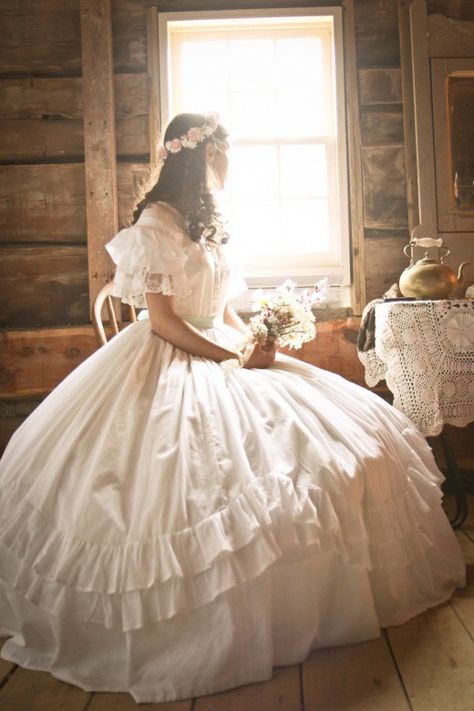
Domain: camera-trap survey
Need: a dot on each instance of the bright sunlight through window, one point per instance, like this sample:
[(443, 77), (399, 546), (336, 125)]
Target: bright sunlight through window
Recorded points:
[(276, 82)]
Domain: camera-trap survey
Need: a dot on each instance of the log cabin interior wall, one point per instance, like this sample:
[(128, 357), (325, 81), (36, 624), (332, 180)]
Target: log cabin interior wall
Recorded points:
[(44, 207)]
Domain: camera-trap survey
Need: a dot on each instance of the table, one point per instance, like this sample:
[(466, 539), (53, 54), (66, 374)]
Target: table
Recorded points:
[(425, 352)]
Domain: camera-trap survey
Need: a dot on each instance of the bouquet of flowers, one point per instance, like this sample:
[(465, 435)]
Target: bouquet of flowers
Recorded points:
[(286, 316)]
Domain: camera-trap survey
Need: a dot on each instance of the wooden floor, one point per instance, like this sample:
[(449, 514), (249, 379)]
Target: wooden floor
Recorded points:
[(426, 664)]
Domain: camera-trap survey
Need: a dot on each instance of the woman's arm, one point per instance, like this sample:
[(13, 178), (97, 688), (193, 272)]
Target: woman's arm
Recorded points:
[(167, 324)]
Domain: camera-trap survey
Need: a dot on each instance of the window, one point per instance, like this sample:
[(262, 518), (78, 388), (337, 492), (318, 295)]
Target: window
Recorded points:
[(275, 78)]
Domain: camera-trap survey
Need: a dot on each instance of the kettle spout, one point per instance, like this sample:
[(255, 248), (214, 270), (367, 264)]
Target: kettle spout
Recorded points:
[(460, 270)]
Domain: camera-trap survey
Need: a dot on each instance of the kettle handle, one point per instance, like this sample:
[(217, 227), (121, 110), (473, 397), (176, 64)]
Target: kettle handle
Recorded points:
[(446, 252), (408, 246)]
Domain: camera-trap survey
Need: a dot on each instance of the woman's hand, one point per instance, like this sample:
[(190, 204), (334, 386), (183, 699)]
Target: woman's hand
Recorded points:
[(261, 356)]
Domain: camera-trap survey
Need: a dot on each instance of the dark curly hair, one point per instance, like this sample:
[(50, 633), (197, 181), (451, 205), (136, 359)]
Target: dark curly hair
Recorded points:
[(182, 182)]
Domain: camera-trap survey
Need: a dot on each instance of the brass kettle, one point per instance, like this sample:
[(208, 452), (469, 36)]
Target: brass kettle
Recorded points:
[(429, 278)]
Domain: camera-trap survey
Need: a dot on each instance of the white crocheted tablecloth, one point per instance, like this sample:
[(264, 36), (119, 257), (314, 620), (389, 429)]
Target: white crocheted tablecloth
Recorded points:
[(425, 352)]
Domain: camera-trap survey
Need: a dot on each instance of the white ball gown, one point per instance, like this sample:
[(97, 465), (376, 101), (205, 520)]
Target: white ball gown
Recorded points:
[(172, 531)]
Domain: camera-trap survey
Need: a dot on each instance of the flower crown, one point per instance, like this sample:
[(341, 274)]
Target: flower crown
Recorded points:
[(191, 139)]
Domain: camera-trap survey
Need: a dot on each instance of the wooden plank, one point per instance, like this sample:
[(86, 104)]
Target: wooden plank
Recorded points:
[(99, 138), (41, 98), (30, 140), (34, 362), (42, 203), (129, 35), (41, 37), (385, 262), (361, 677), (124, 702), (408, 114), (6, 668), (33, 140), (43, 286), (356, 206), (377, 33), (133, 181), (380, 86), (385, 205), (423, 120), (281, 693), (8, 426), (153, 63), (61, 97), (334, 349), (382, 128), (37, 691), (46, 203), (435, 656), (42, 118)]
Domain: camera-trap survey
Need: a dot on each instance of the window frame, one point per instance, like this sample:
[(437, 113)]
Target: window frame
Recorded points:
[(347, 108)]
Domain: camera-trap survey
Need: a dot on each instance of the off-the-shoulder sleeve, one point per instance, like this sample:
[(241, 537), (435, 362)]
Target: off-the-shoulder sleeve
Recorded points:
[(150, 258)]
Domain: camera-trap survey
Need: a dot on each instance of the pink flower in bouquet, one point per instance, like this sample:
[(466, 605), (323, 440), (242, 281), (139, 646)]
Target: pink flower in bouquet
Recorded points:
[(285, 315)]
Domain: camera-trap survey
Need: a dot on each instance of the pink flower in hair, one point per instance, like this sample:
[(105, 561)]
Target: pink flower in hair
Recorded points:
[(173, 146), (194, 135), (212, 122), (162, 153)]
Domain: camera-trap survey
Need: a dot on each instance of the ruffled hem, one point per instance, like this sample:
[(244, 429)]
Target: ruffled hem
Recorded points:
[(137, 583)]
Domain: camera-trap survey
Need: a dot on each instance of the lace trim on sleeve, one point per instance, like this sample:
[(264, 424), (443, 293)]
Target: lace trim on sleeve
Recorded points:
[(131, 288)]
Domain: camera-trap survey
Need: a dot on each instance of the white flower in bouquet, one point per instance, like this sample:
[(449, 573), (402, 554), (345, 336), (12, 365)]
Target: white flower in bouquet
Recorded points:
[(286, 316)]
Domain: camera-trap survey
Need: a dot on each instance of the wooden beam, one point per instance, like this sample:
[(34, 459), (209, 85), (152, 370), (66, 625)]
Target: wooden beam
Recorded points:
[(99, 138), (358, 295), (154, 85), (408, 113), (423, 120)]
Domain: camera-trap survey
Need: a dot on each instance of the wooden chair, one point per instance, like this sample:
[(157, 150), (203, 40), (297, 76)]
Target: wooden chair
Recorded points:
[(104, 298)]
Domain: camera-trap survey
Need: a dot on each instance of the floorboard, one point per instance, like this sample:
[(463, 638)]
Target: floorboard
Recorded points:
[(124, 702), (38, 691), (282, 693), (6, 668), (361, 677), (435, 656), (463, 601)]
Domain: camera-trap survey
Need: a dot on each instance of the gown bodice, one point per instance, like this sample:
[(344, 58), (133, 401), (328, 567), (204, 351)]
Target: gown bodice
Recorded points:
[(157, 255)]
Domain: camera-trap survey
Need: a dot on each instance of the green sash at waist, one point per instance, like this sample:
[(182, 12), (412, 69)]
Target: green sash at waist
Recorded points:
[(203, 321)]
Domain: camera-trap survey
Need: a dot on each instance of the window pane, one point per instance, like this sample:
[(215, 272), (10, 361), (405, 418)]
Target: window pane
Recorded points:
[(303, 171), (205, 62), (252, 64), (254, 227), (299, 62), (253, 172), (305, 226), (252, 114), (302, 113), (206, 99)]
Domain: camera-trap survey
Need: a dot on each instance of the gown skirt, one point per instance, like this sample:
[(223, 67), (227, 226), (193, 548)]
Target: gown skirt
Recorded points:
[(171, 530)]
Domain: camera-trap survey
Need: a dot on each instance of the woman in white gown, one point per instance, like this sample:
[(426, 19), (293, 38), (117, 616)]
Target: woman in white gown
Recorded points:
[(171, 527)]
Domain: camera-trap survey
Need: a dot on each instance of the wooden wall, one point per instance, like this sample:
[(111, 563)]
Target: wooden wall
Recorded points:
[(43, 241)]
